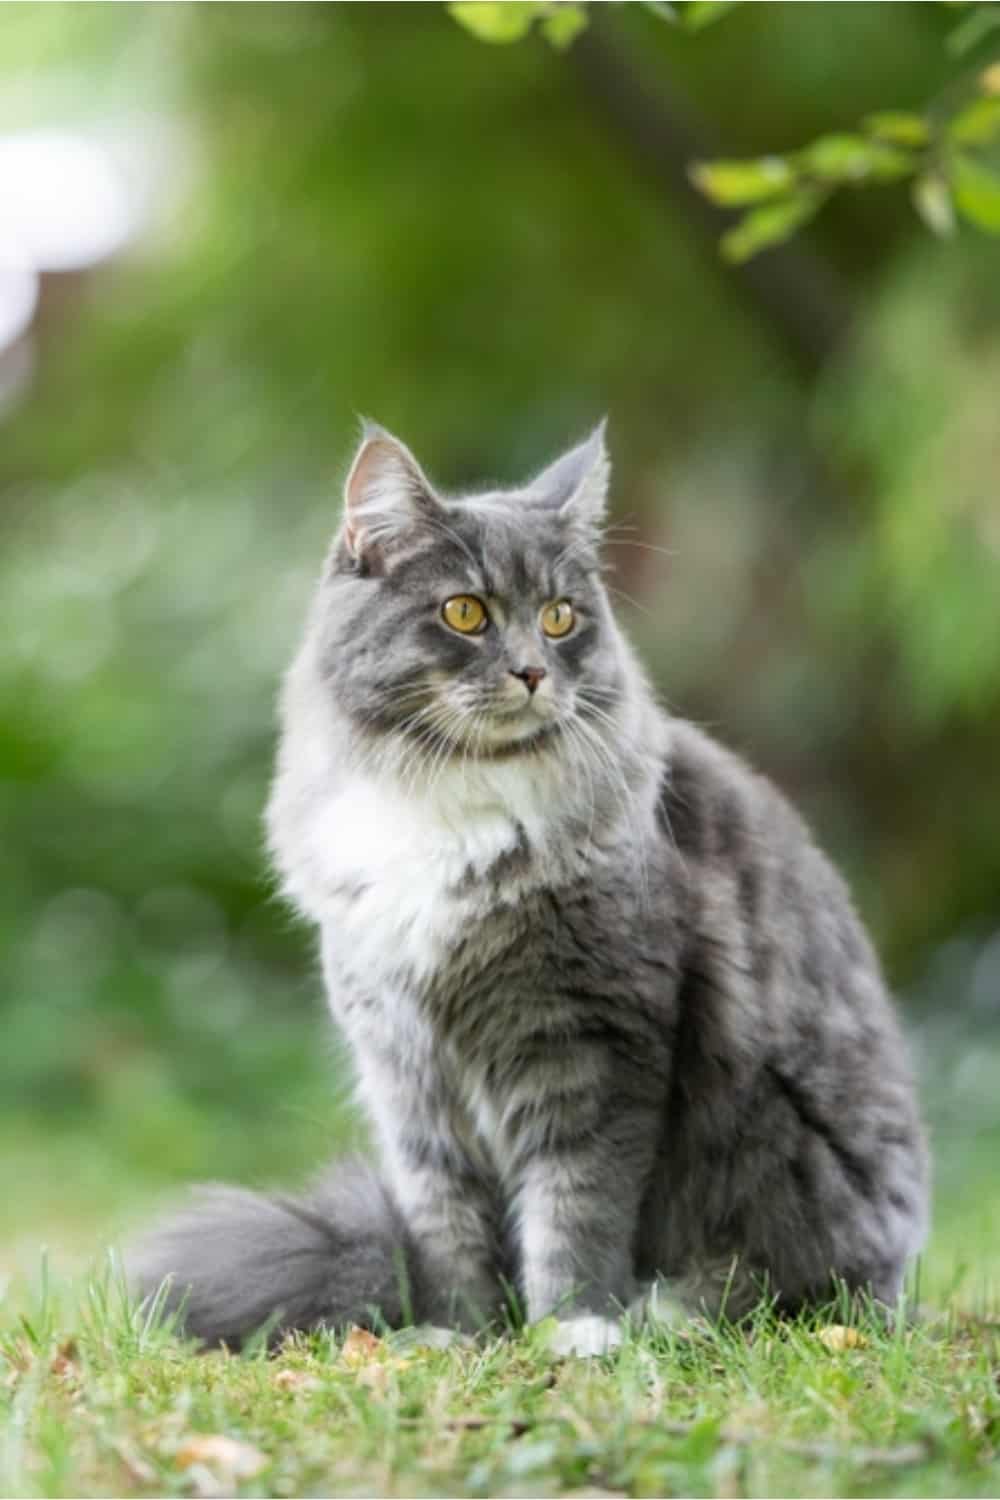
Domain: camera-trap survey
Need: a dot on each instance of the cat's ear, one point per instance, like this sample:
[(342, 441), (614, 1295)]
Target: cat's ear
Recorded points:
[(386, 495), (576, 485)]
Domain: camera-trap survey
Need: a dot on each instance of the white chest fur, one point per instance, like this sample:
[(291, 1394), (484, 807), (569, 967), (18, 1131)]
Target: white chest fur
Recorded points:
[(395, 876)]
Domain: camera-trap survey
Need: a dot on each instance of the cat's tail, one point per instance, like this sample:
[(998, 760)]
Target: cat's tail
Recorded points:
[(235, 1262)]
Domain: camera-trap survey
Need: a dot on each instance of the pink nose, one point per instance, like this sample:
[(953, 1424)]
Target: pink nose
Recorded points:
[(530, 676)]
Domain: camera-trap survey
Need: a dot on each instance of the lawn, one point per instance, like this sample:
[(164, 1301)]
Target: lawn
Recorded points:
[(102, 1401), (97, 1399)]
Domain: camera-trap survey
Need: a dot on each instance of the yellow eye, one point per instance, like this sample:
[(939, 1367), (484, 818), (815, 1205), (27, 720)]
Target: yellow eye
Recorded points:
[(465, 613), (558, 618)]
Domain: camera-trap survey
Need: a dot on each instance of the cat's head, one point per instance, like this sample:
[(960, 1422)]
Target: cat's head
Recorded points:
[(474, 626)]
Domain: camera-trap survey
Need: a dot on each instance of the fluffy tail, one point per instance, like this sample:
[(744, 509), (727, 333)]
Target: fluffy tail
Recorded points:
[(238, 1262)]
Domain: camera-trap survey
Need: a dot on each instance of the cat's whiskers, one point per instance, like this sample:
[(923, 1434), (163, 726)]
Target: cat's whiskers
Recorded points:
[(474, 740), (579, 757), (589, 707), (443, 741), (480, 726), (413, 740), (377, 745), (618, 784), (590, 542), (399, 696), (629, 599), (592, 692), (621, 541), (450, 741)]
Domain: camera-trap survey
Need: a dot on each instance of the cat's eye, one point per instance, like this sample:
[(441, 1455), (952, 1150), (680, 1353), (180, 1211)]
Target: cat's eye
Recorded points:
[(465, 613), (558, 618)]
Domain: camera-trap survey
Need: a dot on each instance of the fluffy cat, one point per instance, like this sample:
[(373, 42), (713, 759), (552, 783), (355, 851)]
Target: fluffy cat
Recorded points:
[(615, 1023)]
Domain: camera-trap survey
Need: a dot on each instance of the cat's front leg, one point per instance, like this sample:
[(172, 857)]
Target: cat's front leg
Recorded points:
[(577, 1209), (451, 1218), (445, 1197)]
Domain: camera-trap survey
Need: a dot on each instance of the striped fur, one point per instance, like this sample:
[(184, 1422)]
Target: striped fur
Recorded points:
[(614, 1019)]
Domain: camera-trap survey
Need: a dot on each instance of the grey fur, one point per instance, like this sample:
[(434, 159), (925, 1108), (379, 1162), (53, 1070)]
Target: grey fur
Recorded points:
[(615, 1021), (238, 1262)]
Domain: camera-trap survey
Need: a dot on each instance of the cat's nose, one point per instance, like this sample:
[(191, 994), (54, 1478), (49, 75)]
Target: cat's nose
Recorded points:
[(530, 676)]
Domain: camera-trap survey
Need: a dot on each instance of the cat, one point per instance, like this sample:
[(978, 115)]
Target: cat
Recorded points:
[(620, 1035)]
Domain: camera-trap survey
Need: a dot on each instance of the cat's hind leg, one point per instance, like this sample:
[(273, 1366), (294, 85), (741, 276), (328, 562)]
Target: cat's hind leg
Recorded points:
[(721, 1287)]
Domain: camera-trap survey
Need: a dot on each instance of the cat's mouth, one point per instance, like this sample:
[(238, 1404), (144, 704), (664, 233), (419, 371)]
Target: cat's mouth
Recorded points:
[(498, 736), (506, 732), (529, 738)]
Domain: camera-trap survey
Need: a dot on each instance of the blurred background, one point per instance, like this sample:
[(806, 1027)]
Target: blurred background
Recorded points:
[(227, 230)]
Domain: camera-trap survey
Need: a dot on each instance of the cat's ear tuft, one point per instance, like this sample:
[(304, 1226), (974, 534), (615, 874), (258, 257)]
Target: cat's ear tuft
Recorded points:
[(576, 485), (385, 495)]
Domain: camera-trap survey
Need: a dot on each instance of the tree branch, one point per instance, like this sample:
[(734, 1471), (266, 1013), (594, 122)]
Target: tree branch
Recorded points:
[(801, 297)]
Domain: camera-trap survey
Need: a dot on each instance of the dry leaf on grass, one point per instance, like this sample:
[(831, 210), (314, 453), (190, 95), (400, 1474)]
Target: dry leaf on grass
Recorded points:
[(371, 1359), (296, 1380), (64, 1365), (360, 1346), (836, 1337), (216, 1463)]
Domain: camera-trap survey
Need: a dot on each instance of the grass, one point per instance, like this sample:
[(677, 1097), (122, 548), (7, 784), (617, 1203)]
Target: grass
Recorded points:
[(100, 1399), (96, 1399)]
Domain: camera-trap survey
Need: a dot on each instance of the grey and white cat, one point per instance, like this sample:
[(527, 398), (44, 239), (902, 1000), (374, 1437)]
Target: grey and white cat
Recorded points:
[(615, 1023)]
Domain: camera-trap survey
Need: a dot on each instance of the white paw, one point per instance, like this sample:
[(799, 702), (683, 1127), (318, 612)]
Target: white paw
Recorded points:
[(586, 1336)]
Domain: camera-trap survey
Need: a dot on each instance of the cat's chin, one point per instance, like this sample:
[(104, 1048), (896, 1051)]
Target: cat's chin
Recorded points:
[(522, 736)]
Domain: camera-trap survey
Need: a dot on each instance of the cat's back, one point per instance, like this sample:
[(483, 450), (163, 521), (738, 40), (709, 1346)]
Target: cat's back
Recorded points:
[(786, 1044), (769, 917), (720, 812)]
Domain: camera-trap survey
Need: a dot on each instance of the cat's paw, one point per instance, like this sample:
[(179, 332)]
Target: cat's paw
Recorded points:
[(586, 1336)]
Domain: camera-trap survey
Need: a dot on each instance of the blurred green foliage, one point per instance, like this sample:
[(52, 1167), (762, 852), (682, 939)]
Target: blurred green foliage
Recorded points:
[(356, 209), (930, 148)]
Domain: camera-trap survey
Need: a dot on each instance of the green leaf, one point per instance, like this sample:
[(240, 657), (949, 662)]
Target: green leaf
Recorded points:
[(933, 202), (770, 224), (734, 183), (564, 23), (660, 8), (853, 158), (977, 193), (973, 28), (504, 21), (899, 127), (701, 13), (977, 124)]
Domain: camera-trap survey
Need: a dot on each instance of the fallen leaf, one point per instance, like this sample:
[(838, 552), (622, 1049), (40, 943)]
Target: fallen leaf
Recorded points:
[(217, 1463), (296, 1380), (360, 1346), (370, 1357), (837, 1337), (64, 1365)]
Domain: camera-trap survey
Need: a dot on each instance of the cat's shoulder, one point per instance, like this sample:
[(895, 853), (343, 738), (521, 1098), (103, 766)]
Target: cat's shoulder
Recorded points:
[(736, 832), (713, 802)]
